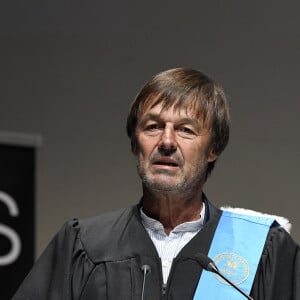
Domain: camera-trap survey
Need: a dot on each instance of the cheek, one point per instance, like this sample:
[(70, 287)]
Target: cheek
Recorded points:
[(141, 153), (145, 146), (195, 154)]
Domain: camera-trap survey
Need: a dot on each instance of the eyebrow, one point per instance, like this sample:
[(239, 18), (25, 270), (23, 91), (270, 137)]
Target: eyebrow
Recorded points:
[(148, 117)]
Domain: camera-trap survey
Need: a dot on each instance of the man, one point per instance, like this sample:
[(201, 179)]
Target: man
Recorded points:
[(178, 126)]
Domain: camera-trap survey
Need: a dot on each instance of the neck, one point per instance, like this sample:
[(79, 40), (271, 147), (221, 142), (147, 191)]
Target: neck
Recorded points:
[(172, 209)]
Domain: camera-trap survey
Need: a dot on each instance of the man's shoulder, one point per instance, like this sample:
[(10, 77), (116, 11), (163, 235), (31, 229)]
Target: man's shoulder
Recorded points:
[(100, 236), (258, 216), (278, 236), (105, 224), (106, 219)]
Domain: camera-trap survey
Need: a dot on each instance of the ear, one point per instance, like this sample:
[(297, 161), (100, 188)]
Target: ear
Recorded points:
[(212, 156), (133, 148)]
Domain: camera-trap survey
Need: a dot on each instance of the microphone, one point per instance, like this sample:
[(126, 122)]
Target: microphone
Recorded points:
[(146, 269), (208, 264)]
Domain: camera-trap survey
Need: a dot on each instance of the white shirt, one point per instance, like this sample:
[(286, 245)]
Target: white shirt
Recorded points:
[(168, 246)]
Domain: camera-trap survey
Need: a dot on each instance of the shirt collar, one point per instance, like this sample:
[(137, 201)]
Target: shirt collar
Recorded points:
[(152, 224)]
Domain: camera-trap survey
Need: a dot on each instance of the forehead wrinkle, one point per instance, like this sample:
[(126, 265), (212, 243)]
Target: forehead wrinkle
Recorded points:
[(195, 105)]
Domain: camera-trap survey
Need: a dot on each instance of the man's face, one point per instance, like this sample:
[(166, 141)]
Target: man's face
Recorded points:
[(173, 149)]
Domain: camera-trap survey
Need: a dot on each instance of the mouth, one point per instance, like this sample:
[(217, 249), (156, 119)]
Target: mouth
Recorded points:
[(166, 162)]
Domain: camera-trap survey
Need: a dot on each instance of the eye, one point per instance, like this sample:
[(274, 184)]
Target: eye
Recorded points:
[(186, 130), (151, 127)]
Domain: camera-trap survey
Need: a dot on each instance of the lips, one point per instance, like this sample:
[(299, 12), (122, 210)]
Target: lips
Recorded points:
[(169, 162)]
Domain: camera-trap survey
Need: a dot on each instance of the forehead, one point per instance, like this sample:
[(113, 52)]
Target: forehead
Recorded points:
[(191, 104), (188, 106), (172, 112)]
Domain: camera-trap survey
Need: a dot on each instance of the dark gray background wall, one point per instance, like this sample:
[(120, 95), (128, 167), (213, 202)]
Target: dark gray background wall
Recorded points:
[(70, 69)]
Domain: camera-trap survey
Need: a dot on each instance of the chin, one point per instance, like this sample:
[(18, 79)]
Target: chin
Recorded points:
[(164, 185)]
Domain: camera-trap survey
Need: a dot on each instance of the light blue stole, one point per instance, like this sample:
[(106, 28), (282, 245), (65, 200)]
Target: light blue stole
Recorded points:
[(236, 249)]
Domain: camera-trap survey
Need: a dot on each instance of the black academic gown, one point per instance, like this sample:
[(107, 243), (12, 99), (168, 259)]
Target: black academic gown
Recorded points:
[(101, 259)]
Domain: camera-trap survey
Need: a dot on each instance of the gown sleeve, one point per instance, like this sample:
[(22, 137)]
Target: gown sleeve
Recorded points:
[(278, 274), (52, 275)]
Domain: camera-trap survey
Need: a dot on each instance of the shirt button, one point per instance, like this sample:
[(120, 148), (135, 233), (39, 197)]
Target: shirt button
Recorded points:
[(165, 263), (157, 226)]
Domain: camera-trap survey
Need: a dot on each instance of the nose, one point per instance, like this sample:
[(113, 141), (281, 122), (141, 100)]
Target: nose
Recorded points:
[(168, 143)]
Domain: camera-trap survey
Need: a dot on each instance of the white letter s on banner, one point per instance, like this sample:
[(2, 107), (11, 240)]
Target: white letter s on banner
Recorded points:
[(10, 233)]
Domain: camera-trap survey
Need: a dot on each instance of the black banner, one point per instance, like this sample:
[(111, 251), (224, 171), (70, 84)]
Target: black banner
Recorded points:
[(17, 215)]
